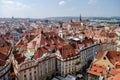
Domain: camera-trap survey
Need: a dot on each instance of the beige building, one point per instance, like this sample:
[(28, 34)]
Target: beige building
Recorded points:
[(68, 62), (48, 55)]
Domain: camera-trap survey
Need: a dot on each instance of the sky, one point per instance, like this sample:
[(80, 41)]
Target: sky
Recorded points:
[(59, 8)]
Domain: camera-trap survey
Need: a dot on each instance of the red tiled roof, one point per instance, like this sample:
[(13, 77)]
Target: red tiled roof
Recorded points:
[(75, 23), (19, 56), (113, 71), (97, 70), (40, 51), (113, 56), (116, 77), (87, 41), (66, 50), (4, 50), (25, 39), (48, 38), (3, 56), (4, 43)]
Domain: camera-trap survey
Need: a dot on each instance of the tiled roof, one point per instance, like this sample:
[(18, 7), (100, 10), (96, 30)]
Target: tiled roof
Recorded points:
[(43, 39), (97, 70), (116, 77), (4, 50), (113, 71), (66, 50), (19, 56), (40, 51), (87, 41), (4, 43), (75, 23), (113, 56), (25, 39), (4, 47)]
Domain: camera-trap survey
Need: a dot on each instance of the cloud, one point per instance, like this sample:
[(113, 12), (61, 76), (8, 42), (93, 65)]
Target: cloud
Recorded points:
[(62, 3), (10, 8), (92, 1), (12, 4)]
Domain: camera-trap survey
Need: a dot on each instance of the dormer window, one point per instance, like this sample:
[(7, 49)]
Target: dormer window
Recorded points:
[(118, 55), (101, 72), (95, 70), (46, 37), (104, 58)]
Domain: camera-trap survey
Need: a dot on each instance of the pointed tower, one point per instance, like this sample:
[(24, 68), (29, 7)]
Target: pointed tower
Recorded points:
[(80, 18)]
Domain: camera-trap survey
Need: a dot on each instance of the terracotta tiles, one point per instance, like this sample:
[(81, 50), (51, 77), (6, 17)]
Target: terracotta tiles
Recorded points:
[(87, 41), (116, 77), (4, 48), (19, 56), (97, 70), (75, 23), (40, 51), (4, 43), (3, 57), (112, 72), (66, 50), (113, 56)]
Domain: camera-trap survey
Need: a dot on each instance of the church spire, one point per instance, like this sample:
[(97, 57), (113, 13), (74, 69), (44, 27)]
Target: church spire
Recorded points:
[(80, 18)]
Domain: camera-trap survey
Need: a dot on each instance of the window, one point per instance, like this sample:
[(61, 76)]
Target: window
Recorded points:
[(24, 76), (34, 67), (118, 55), (29, 69), (104, 58)]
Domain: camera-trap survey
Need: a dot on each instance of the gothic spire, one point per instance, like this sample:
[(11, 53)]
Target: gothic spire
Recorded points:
[(80, 18)]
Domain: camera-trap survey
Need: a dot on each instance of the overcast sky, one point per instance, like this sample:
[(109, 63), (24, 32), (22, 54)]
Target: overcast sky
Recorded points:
[(54, 8)]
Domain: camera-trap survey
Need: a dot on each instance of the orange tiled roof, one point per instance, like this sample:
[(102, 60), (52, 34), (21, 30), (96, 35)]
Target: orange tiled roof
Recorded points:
[(114, 71), (66, 50), (116, 77), (97, 70)]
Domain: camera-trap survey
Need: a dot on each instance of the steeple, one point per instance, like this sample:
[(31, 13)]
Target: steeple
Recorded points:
[(80, 18)]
